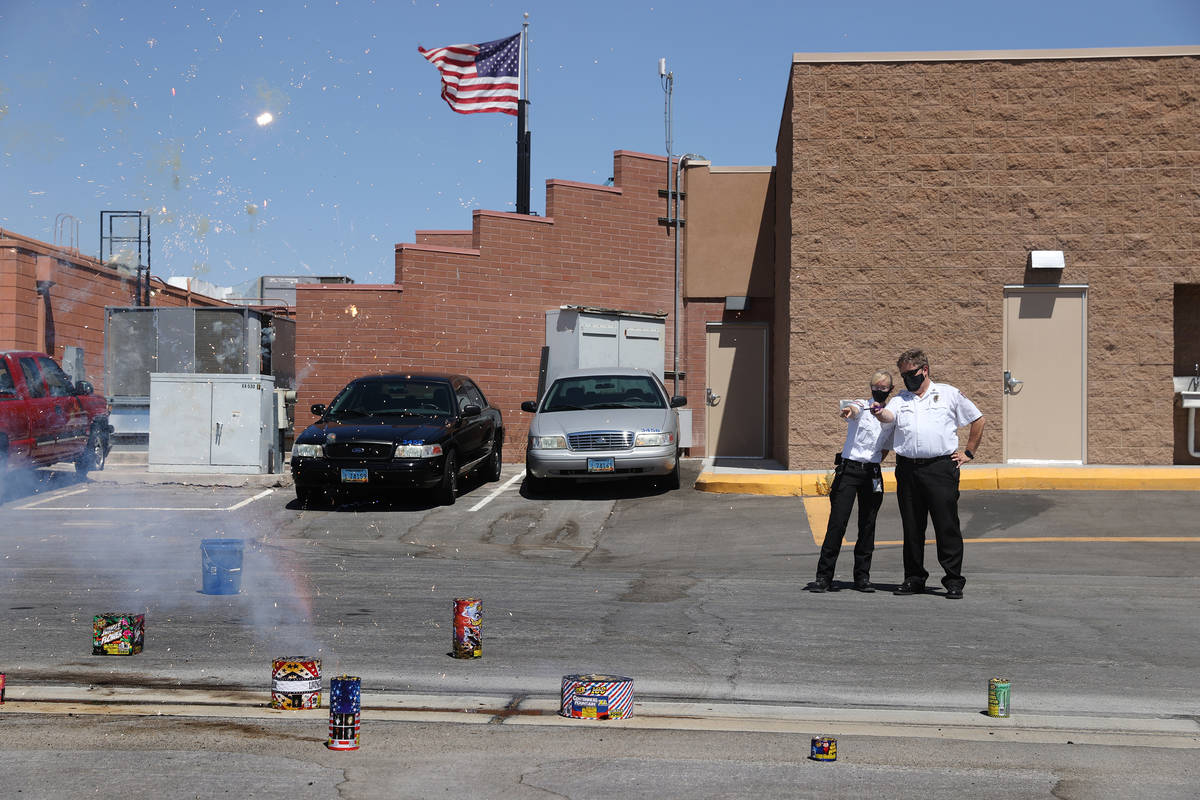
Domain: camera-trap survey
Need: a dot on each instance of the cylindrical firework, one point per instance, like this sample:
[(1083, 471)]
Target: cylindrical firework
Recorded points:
[(824, 748), (596, 697), (345, 712), (998, 696), (468, 627), (3, 679), (296, 683)]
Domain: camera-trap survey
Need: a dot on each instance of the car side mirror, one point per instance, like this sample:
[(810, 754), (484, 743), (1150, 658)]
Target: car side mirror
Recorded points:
[(678, 400), (83, 387), (471, 410), (318, 409), (530, 406)]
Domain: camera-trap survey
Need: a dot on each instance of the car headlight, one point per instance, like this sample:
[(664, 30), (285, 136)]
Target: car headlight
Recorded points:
[(418, 450), (308, 451), (547, 442), (648, 439)]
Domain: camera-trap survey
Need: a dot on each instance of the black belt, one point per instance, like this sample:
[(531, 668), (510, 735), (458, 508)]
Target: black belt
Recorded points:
[(920, 462), (863, 465)]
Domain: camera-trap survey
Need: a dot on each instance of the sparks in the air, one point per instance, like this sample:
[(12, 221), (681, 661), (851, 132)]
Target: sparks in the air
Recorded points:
[(264, 119)]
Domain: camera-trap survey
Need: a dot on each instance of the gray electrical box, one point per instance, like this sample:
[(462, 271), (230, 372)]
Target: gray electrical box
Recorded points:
[(581, 336), (212, 423)]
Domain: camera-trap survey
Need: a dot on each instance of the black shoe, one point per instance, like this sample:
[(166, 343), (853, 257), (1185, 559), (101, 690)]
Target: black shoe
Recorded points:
[(954, 592), (863, 585), (820, 585), (910, 587)]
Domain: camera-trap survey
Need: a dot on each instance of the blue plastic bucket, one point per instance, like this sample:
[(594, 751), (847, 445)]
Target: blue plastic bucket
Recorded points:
[(221, 565)]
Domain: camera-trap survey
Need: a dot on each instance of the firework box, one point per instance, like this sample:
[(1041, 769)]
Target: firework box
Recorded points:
[(118, 634)]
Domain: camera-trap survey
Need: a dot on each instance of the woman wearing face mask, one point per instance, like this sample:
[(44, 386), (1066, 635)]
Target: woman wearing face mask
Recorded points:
[(857, 475)]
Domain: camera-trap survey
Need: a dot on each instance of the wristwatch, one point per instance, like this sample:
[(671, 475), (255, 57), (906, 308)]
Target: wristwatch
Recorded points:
[(969, 454)]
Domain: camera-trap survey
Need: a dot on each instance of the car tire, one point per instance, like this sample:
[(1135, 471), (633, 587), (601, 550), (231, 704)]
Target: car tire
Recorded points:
[(673, 477), (448, 490), (496, 460), (92, 459)]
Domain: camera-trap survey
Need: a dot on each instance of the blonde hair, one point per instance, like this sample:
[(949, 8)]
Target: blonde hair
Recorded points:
[(883, 373)]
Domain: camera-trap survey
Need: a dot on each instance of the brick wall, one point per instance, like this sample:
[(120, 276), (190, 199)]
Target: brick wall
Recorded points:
[(74, 316), (344, 331), (475, 302), (458, 239), (918, 190)]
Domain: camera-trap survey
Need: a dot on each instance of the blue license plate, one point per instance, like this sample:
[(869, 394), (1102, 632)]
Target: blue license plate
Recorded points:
[(354, 476), (601, 465)]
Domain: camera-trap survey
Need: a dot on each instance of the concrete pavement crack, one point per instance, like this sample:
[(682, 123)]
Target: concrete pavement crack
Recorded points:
[(599, 535)]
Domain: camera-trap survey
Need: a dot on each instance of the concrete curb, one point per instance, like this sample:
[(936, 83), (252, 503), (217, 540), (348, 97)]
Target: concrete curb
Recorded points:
[(812, 483)]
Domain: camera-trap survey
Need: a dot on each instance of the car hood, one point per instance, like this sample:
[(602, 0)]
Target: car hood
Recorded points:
[(410, 430), (604, 419)]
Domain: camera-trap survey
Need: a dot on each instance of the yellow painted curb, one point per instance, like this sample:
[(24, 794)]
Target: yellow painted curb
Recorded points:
[(972, 478), (1105, 479)]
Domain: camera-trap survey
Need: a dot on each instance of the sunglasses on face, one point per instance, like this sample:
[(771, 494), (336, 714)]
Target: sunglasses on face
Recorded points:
[(912, 373)]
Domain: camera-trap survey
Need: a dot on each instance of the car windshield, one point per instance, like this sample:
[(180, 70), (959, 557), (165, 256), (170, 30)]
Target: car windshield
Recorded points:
[(400, 397), (603, 391)]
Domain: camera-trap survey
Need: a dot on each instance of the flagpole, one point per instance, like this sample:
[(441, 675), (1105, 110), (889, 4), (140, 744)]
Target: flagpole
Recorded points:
[(524, 136)]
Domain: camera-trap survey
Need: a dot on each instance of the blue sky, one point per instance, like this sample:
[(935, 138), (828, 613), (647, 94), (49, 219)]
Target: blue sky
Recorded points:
[(152, 106)]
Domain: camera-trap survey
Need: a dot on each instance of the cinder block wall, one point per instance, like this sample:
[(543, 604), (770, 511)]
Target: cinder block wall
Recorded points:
[(481, 310), (917, 191)]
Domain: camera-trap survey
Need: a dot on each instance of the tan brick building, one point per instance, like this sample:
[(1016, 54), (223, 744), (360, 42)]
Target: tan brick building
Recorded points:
[(915, 187)]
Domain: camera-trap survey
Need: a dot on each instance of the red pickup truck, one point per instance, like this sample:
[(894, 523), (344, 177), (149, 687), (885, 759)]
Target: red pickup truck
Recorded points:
[(44, 418)]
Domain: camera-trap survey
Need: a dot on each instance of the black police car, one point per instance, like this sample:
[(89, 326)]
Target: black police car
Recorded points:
[(386, 432)]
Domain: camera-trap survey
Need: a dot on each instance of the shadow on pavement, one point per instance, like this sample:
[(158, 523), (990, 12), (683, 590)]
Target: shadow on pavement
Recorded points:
[(22, 484), (616, 489)]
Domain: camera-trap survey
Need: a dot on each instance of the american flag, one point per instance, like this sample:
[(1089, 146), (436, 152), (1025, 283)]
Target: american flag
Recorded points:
[(478, 78)]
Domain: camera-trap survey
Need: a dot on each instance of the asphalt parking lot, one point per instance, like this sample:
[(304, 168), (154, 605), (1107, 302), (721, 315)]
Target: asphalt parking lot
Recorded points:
[(1086, 601)]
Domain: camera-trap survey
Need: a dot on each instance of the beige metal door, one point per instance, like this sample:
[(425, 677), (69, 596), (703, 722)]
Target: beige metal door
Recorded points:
[(1045, 374), (736, 395)]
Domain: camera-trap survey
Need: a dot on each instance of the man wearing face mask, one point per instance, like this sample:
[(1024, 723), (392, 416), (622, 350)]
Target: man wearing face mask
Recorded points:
[(927, 416), (857, 475)]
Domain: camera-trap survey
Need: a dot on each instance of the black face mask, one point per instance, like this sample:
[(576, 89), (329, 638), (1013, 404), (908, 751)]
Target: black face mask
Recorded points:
[(912, 381), (880, 395)]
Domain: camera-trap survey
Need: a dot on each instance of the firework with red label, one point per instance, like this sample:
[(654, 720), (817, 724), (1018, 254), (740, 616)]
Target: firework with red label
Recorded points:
[(468, 627)]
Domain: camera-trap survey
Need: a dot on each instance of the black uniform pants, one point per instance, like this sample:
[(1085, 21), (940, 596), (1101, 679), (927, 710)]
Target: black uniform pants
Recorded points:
[(853, 480), (928, 489)]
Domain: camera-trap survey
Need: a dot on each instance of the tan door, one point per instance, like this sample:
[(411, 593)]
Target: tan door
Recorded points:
[(736, 395), (1044, 401)]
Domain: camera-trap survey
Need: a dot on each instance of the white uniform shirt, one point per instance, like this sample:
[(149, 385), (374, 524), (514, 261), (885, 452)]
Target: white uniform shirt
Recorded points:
[(866, 437), (927, 427)]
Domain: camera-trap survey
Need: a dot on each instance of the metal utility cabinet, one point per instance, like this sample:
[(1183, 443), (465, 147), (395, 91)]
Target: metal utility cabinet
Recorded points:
[(580, 336), (211, 423)]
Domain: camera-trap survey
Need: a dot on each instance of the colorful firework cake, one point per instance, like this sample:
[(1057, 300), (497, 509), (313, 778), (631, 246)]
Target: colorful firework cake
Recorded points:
[(118, 634), (296, 683)]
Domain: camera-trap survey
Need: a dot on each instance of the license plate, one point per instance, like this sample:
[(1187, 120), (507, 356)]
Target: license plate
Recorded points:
[(354, 476), (600, 465)]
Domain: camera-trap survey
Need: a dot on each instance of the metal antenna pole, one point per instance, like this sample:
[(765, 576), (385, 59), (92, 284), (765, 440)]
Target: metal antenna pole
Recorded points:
[(668, 84)]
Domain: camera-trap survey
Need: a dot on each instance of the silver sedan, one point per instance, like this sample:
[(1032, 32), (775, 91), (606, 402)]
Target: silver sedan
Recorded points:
[(604, 423)]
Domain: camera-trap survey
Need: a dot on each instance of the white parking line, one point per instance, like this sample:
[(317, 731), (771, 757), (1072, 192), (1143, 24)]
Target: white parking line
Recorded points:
[(496, 492), (234, 507), (50, 497), (250, 500)]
